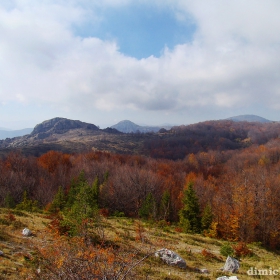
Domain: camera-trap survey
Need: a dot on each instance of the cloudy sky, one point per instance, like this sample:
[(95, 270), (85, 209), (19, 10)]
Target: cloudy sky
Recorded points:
[(152, 62)]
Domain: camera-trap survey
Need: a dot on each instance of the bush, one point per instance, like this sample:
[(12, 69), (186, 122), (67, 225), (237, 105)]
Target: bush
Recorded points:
[(241, 250), (178, 229), (10, 217), (207, 254), (226, 250), (118, 214), (9, 201), (4, 222), (27, 204), (18, 224), (104, 212), (164, 225), (18, 213), (61, 227)]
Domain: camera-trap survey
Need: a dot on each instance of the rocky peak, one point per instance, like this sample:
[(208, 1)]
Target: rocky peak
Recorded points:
[(61, 125)]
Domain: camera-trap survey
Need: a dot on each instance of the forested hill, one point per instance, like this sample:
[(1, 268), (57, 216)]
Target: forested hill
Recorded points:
[(75, 137), (249, 118), (210, 135)]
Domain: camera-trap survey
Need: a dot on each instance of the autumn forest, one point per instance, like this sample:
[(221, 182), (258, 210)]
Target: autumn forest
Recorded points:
[(234, 172)]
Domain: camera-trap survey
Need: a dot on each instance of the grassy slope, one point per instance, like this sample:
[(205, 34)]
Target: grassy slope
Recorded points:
[(18, 250)]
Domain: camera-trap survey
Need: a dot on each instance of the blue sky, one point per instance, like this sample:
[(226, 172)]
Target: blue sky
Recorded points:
[(169, 61), (139, 30)]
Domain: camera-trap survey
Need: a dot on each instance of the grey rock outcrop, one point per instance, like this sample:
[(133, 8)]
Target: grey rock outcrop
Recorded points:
[(171, 258), (231, 265), (60, 125)]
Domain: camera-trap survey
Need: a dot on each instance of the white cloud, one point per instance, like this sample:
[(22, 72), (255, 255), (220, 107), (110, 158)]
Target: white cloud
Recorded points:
[(234, 58)]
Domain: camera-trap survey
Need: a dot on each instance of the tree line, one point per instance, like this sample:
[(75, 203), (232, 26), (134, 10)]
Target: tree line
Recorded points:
[(233, 195)]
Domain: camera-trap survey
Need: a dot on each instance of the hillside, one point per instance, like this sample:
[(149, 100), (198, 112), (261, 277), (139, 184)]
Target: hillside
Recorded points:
[(60, 126), (228, 171), (58, 134), (23, 256), (74, 137)]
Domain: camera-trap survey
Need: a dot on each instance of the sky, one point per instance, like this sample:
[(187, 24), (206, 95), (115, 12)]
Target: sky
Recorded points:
[(152, 62)]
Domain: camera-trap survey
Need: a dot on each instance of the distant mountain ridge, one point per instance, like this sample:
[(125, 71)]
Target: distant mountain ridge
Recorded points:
[(72, 136), (248, 118), (58, 132), (14, 133), (127, 126)]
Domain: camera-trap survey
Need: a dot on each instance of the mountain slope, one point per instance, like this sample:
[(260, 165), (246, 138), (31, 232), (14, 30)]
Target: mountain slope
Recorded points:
[(20, 253), (60, 126), (249, 118), (71, 136), (65, 135)]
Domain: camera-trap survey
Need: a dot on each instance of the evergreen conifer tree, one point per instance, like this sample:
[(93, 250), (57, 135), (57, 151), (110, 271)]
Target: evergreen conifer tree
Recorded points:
[(59, 201), (207, 217), (148, 207), (95, 191), (82, 205), (75, 187), (190, 213), (27, 204), (9, 201), (165, 205)]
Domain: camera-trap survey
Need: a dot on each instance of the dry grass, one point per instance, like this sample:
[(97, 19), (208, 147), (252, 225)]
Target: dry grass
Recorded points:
[(140, 235), (15, 247)]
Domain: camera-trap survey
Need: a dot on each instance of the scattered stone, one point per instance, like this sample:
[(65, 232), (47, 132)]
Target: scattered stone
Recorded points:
[(227, 278), (26, 232), (204, 271), (231, 265), (171, 258), (1, 253)]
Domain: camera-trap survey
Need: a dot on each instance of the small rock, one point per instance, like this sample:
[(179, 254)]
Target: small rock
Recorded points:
[(26, 232), (1, 253), (204, 271), (227, 278)]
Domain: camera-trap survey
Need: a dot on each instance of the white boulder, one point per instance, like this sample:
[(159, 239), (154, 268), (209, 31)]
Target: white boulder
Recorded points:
[(26, 232)]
